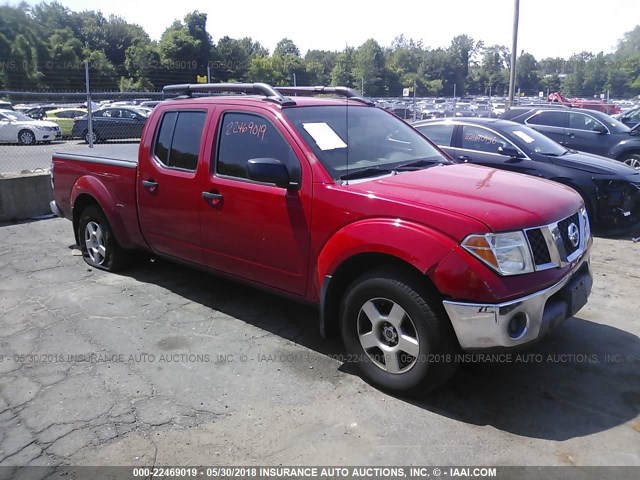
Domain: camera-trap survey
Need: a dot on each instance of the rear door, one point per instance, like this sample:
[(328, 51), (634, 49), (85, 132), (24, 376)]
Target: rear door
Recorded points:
[(253, 230), (551, 123), (169, 185)]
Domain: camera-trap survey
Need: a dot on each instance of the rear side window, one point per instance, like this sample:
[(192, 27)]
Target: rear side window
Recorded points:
[(178, 141), (245, 136), (551, 119), (438, 134), (580, 121)]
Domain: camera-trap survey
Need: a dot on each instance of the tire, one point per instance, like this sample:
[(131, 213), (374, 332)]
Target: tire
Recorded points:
[(26, 137), (632, 159), (397, 333), (99, 246), (96, 138)]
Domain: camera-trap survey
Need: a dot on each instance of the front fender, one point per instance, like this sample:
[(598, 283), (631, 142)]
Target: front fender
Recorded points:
[(412, 243), (624, 147), (91, 186)]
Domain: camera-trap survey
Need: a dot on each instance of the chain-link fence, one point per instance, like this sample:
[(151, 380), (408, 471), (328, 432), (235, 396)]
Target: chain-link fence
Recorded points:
[(35, 124)]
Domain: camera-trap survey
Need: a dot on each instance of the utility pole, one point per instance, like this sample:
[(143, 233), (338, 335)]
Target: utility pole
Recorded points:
[(514, 51), (89, 102)]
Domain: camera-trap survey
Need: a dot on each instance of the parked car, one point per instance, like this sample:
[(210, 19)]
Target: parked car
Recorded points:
[(64, 117), (340, 204), (39, 112), (112, 123), (610, 189), (16, 127), (4, 105), (630, 118), (483, 111), (584, 130), (150, 103)]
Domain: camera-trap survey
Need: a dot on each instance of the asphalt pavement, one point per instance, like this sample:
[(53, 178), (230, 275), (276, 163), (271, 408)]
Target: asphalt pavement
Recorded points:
[(162, 365)]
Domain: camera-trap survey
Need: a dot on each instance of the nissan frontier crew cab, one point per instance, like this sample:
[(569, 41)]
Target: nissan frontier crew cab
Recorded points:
[(333, 201)]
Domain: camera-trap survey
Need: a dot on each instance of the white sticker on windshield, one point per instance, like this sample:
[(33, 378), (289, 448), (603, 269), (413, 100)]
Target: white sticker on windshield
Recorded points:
[(523, 136), (324, 136)]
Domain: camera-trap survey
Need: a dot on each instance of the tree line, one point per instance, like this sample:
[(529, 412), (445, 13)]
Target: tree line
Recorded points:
[(44, 47)]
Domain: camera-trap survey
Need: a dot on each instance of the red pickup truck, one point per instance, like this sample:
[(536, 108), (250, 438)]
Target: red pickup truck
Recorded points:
[(409, 255)]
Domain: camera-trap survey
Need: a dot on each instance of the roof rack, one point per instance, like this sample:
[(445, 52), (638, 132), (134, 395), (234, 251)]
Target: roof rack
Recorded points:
[(188, 89), (320, 90), (273, 94)]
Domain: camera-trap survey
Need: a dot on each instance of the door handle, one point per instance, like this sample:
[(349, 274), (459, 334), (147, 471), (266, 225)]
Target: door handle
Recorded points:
[(571, 135), (151, 185), (464, 158), (213, 198)]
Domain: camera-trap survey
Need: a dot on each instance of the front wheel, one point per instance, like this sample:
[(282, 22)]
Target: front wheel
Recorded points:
[(99, 246), (633, 160), (399, 336), (26, 137)]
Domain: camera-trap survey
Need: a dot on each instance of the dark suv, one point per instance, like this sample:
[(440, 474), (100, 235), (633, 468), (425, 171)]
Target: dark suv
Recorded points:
[(584, 130)]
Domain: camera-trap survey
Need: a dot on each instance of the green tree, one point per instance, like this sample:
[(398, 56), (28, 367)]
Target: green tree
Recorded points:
[(342, 73), (368, 67), (286, 47)]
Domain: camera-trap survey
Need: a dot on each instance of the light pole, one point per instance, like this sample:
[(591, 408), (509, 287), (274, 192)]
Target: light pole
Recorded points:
[(514, 50)]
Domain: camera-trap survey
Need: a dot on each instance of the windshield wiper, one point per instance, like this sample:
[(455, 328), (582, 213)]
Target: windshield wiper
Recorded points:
[(417, 164), (367, 172)]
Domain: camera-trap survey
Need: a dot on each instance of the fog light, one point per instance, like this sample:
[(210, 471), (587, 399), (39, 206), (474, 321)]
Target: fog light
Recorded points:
[(517, 326)]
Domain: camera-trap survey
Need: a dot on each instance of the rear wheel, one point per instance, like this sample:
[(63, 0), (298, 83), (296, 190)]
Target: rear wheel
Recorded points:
[(633, 160), (398, 335), (91, 137), (26, 137), (98, 244)]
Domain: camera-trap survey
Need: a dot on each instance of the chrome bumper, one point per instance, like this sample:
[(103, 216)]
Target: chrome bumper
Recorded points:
[(480, 326), (55, 209)]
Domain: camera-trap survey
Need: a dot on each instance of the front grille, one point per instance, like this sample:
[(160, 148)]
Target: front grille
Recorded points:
[(539, 248), (563, 228)]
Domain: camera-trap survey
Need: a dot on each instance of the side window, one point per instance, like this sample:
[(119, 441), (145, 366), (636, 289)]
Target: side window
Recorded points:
[(178, 141), (482, 140), (580, 121), (551, 119), (438, 134), (245, 136)]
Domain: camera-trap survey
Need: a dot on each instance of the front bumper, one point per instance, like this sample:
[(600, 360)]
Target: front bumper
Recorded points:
[(523, 320)]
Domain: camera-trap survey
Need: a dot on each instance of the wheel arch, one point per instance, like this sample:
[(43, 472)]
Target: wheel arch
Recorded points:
[(371, 244), (89, 191)]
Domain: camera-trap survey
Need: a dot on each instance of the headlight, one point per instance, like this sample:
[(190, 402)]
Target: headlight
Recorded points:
[(506, 253)]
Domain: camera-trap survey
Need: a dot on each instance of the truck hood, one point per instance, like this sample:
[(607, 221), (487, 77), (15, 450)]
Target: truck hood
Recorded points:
[(596, 164), (501, 200)]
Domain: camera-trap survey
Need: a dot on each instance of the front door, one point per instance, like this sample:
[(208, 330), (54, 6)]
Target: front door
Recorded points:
[(253, 230)]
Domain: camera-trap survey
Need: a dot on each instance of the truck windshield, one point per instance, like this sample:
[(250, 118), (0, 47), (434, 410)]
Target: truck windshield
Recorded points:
[(352, 139)]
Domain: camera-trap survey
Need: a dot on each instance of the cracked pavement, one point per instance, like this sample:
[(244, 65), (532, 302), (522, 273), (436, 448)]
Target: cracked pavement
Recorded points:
[(162, 365)]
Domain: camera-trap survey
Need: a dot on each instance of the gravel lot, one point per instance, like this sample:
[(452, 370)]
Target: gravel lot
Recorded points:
[(164, 365)]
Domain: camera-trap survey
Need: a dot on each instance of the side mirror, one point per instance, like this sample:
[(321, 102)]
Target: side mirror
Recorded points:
[(269, 170), (509, 152), (600, 129)]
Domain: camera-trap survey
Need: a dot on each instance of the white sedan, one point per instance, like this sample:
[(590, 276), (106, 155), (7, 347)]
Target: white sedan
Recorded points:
[(16, 127)]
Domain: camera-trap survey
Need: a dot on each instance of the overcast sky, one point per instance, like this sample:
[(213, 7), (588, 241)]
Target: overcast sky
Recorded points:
[(548, 28)]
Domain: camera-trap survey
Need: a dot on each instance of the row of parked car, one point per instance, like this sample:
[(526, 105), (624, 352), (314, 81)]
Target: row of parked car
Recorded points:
[(589, 151), (43, 124)]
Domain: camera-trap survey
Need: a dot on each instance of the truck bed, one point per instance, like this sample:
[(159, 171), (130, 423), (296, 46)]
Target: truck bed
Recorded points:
[(123, 154)]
